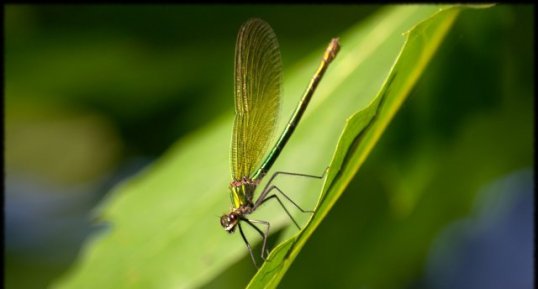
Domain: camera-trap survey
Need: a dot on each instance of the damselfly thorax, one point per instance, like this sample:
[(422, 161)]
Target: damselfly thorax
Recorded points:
[(241, 193)]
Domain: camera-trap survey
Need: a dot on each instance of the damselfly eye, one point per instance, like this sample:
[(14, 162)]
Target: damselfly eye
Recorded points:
[(229, 221)]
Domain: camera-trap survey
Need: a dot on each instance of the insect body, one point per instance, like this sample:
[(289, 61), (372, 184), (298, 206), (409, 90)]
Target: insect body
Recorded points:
[(258, 73)]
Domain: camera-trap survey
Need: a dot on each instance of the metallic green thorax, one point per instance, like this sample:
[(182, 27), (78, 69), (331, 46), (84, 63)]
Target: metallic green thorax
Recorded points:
[(241, 192)]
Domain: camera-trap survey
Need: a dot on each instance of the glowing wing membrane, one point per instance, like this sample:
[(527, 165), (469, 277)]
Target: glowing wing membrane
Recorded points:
[(258, 69)]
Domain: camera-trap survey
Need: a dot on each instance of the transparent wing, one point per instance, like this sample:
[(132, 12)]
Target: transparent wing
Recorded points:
[(258, 69)]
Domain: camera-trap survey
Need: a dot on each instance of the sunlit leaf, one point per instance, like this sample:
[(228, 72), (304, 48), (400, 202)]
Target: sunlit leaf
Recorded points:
[(164, 230)]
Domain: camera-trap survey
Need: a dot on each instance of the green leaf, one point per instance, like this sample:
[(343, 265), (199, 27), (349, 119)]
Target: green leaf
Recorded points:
[(164, 227), (361, 133)]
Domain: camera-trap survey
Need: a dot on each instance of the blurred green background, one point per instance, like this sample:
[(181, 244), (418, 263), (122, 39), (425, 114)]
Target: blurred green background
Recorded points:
[(93, 94)]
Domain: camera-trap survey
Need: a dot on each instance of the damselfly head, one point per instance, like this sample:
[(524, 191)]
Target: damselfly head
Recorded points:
[(229, 221)]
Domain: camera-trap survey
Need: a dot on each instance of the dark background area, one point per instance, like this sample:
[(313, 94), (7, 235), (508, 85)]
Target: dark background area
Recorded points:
[(95, 93)]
